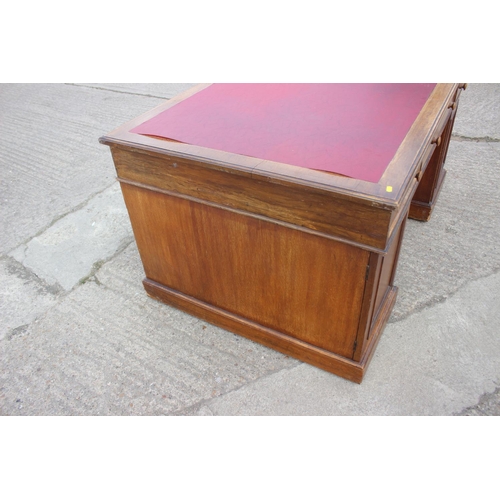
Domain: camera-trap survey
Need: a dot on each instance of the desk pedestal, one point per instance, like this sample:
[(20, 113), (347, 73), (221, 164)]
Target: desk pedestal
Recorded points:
[(305, 294), (427, 193)]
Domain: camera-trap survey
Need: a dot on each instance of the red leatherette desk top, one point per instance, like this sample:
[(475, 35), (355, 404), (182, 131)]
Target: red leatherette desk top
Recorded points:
[(348, 129), (392, 157)]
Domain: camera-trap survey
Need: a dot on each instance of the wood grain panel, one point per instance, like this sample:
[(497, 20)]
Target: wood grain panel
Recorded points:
[(300, 284)]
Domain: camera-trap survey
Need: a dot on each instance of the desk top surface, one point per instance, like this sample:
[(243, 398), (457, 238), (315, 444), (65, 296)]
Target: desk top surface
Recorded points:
[(369, 149), (348, 129)]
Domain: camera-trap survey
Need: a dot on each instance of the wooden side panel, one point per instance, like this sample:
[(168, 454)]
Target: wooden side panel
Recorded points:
[(300, 284)]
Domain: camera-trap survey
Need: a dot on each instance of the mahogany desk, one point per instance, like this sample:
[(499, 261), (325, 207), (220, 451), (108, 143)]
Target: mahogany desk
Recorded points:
[(234, 223)]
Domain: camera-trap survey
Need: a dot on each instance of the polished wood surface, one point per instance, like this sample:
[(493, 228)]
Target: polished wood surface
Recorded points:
[(299, 260)]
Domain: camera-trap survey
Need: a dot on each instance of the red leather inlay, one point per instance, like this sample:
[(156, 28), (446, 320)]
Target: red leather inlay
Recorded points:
[(349, 129)]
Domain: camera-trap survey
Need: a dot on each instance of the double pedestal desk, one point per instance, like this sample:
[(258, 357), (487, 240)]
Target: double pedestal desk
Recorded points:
[(277, 211)]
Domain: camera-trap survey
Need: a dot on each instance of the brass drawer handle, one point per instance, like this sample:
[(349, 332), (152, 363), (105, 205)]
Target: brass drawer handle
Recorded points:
[(453, 106), (437, 141), (463, 86)]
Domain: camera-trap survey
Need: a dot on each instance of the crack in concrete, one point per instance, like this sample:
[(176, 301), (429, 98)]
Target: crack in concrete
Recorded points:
[(193, 410), (96, 266), (441, 298), (59, 217), (463, 138), (27, 275), (18, 268), (488, 405), (117, 91), (16, 331)]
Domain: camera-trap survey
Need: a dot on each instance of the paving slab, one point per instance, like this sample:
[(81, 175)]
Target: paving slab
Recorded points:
[(50, 158), (435, 362), (479, 112), (75, 245)]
